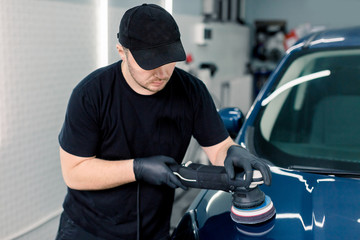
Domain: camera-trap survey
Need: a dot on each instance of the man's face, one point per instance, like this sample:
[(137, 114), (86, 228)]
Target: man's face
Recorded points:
[(145, 82)]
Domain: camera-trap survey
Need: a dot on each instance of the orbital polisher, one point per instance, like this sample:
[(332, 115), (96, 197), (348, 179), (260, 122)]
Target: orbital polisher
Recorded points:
[(249, 204)]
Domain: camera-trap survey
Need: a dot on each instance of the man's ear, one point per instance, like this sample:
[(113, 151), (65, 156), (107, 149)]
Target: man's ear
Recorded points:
[(121, 51)]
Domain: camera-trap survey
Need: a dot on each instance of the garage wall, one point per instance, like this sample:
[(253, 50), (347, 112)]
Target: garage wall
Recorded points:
[(229, 50), (46, 46), (328, 13)]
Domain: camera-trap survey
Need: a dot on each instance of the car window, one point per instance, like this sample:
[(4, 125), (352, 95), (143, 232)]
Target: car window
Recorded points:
[(312, 117)]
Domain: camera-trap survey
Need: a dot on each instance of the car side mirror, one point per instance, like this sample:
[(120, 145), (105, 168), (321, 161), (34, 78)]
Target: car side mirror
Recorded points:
[(233, 119)]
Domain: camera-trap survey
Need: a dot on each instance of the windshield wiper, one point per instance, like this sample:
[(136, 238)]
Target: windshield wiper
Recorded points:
[(325, 171)]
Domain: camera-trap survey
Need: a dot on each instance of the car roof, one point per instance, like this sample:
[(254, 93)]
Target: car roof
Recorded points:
[(330, 38)]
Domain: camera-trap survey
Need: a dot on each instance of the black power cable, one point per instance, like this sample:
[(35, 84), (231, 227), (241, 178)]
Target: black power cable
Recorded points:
[(138, 212)]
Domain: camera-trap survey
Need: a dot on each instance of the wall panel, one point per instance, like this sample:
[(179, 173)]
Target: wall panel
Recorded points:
[(46, 47)]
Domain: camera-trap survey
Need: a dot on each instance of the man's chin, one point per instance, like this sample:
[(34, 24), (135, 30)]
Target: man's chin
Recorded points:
[(156, 87)]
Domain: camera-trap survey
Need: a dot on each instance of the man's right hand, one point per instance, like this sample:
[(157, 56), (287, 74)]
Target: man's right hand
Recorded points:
[(155, 170)]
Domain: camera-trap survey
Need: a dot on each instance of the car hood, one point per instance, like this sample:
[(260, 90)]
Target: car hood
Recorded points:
[(308, 206)]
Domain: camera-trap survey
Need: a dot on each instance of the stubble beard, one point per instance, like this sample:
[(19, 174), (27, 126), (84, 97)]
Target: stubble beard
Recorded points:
[(147, 86)]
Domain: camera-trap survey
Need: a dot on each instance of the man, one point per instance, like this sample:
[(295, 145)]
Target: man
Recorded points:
[(125, 123)]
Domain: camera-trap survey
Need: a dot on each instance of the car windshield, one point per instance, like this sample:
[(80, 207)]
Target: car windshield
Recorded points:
[(311, 119)]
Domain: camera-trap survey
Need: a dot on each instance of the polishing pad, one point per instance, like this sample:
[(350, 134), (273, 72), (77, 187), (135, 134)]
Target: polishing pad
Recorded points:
[(255, 215)]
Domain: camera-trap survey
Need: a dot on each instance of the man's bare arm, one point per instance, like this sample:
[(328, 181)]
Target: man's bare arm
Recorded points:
[(91, 173), (217, 153)]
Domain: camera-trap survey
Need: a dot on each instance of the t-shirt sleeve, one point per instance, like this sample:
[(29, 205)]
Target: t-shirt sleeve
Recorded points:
[(209, 128), (79, 133)]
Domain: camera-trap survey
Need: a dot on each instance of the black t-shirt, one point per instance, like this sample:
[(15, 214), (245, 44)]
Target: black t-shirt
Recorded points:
[(107, 119)]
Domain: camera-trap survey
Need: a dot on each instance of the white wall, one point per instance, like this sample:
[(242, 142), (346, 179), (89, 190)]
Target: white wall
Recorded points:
[(46, 47), (228, 49)]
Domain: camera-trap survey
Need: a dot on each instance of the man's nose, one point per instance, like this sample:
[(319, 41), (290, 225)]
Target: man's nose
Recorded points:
[(161, 72)]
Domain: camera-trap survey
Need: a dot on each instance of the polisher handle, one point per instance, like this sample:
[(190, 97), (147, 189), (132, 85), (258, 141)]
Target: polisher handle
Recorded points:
[(202, 176)]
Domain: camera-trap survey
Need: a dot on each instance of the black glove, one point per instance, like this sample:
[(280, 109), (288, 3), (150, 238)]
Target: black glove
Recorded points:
[(239, 157), (155, 170)]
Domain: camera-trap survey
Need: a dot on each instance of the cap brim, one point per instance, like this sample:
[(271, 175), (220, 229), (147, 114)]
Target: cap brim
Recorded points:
[(149, 59)]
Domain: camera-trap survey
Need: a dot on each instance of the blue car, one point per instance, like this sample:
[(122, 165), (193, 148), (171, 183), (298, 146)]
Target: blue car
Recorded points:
[(306, 122)]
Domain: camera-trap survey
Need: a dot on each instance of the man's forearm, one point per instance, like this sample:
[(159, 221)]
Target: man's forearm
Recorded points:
[(94, 173), (217, 153)]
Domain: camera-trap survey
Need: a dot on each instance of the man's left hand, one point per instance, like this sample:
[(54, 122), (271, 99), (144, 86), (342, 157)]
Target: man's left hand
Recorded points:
[(238, 157)]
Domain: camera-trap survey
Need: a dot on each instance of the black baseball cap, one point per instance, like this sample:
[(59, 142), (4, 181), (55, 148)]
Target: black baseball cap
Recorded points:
[(152, 36)]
